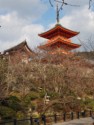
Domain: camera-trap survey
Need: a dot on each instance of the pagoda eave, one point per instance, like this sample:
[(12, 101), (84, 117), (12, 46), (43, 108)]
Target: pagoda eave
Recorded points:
[(48, 47), (58, 29), (70, 46)]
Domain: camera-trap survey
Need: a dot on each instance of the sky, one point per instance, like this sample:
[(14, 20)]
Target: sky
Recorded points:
[(24, 19)]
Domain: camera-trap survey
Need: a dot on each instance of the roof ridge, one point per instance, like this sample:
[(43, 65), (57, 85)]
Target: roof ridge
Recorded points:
[(16, 46)]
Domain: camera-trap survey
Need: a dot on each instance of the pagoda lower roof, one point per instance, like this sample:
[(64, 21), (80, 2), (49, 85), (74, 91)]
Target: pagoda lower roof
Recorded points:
[(58, 30), (66, 42)]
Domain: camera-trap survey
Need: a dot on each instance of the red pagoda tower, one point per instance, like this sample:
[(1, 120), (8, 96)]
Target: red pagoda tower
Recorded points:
[(59, 39)]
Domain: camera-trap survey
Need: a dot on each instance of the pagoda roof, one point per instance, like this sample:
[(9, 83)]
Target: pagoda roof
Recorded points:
[(64, 41), (18, 47), (59, 38), (58, 30)]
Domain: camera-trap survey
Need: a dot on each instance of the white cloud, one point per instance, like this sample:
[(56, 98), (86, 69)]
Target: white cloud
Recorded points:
[(14, 30), (82, 20), (17, 21), (30, 9)]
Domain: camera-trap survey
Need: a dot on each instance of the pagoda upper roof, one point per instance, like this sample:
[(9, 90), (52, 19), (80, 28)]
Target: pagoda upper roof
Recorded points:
[(58, 30), (64, 41)]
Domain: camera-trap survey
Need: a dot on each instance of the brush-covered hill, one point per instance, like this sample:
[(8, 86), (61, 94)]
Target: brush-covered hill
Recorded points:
[(87, 55), (23, 87)]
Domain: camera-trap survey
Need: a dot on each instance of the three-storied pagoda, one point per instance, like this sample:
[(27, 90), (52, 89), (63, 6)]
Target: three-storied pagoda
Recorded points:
[(59, 39)]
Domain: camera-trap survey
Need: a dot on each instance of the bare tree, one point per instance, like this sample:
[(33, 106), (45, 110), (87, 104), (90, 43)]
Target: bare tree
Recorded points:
[(3, 74), (88, 48), (61, 76), (63, 2), (90, 3)]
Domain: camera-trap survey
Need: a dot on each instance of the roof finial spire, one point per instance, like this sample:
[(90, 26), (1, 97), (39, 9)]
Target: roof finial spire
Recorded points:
[(57, 14)]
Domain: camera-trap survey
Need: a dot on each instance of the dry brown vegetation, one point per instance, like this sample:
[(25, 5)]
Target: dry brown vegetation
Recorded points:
[(64, 78)]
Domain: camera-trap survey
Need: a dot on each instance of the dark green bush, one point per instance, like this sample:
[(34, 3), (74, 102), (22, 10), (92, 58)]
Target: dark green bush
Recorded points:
[(6, 112), (20, 115), (42, 94), (31, 96), (89, 103), (33, 106), (14, 103)]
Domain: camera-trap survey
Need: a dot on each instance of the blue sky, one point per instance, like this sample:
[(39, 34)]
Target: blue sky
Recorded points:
[(25, 19)]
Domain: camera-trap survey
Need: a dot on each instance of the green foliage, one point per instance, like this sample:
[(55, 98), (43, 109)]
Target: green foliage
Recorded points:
[(89, 103), (6, 112), (33, 106), (14, 103), (42, 94), (3, 69), (20, 115), (53, 95), (35, 115), (31, 96)]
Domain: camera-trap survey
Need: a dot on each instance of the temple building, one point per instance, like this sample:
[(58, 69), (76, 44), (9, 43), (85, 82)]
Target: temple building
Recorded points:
[(59, 39), (20, 53)]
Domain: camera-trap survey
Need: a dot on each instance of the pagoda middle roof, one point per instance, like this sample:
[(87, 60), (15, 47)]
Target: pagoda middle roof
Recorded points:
[(63, 41), (58, 30)]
